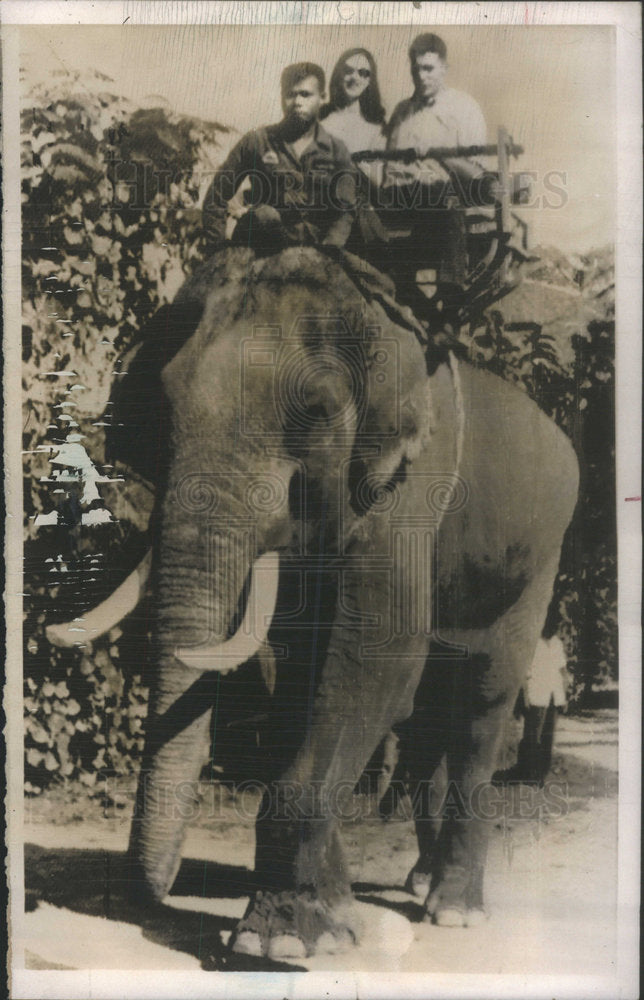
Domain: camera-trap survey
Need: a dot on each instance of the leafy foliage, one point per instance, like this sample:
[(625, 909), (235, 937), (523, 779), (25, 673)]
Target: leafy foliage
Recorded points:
[(577, 389), (110, 216)]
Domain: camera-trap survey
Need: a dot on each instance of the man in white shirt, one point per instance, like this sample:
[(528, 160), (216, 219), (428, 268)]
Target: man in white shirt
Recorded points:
[(436, 117)]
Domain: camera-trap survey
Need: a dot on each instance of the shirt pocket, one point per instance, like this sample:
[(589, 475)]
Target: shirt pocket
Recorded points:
[(323, 165)]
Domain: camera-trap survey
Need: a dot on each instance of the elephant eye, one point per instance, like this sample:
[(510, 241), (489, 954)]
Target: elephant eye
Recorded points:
[(299, 424), (361, 490), (316, 413)]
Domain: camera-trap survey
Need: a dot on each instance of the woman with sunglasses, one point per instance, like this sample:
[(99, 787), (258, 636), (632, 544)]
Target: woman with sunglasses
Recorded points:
[(355, 115), (354, 112)]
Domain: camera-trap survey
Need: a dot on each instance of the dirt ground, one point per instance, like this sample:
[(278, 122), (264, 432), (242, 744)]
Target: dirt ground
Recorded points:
[(550, 882)]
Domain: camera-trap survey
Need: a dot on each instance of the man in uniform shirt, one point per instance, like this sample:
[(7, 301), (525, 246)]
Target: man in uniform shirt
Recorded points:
[(300, 182)]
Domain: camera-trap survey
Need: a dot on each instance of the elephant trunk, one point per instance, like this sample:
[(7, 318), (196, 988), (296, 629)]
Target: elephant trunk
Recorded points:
[(198, 585)]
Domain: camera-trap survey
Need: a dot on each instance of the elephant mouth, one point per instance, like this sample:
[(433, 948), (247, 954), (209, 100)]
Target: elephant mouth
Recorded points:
[(221, 657)]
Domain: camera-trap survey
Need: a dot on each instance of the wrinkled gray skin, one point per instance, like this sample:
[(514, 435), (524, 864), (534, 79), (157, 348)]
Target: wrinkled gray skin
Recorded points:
[(386, 459)]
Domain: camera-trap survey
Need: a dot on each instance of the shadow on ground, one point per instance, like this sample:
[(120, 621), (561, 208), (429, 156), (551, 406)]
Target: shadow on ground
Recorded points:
[(410, 909), (97, 883)]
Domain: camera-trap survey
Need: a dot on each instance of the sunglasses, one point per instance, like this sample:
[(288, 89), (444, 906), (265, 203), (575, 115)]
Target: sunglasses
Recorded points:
[(351, 70)]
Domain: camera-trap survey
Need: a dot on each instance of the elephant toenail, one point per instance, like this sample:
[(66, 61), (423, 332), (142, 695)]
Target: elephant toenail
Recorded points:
[(248, 943), (286, 946), (450, 916)]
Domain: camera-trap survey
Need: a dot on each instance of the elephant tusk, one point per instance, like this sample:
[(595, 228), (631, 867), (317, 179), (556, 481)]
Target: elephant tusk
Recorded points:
[(252, 632), (106, 615)]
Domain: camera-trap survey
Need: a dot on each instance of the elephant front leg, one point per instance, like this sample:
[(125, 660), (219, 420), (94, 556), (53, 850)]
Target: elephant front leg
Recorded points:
[(372, 667), (305, 903), (291, 916)]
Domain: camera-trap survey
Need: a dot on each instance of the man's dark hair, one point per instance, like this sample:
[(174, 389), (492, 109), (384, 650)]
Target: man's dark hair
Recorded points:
[(299, 71), (427, 43), (370, 103)]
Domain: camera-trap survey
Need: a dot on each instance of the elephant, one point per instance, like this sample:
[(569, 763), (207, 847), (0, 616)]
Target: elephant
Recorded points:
[(380, 524)]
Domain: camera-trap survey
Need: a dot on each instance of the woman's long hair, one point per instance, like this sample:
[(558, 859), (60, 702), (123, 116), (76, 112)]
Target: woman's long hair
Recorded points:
[(370, 103)]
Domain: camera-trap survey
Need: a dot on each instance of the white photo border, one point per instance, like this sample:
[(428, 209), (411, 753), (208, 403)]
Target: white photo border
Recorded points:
[(625, 17)]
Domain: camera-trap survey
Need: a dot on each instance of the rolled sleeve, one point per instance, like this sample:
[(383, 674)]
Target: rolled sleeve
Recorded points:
[(223, 188), (472, 129)]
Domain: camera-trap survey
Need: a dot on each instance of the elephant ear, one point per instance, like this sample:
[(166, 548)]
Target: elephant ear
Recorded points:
[(319, 432), (405, 414), (394, 423)]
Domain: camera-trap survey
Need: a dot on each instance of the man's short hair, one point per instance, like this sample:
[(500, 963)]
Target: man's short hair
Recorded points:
[(299, 71), (427, 43)]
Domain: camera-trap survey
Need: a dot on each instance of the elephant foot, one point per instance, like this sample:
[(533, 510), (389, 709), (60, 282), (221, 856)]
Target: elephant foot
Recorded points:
[(456, 916), (453, 902), (291, 925)]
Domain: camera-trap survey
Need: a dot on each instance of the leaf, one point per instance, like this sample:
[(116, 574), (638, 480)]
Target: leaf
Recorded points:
[(37, 732), (69, 175), (57, 723), (73, 236), (43, 268), (43, 138), (101, 245), (86, 267)]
